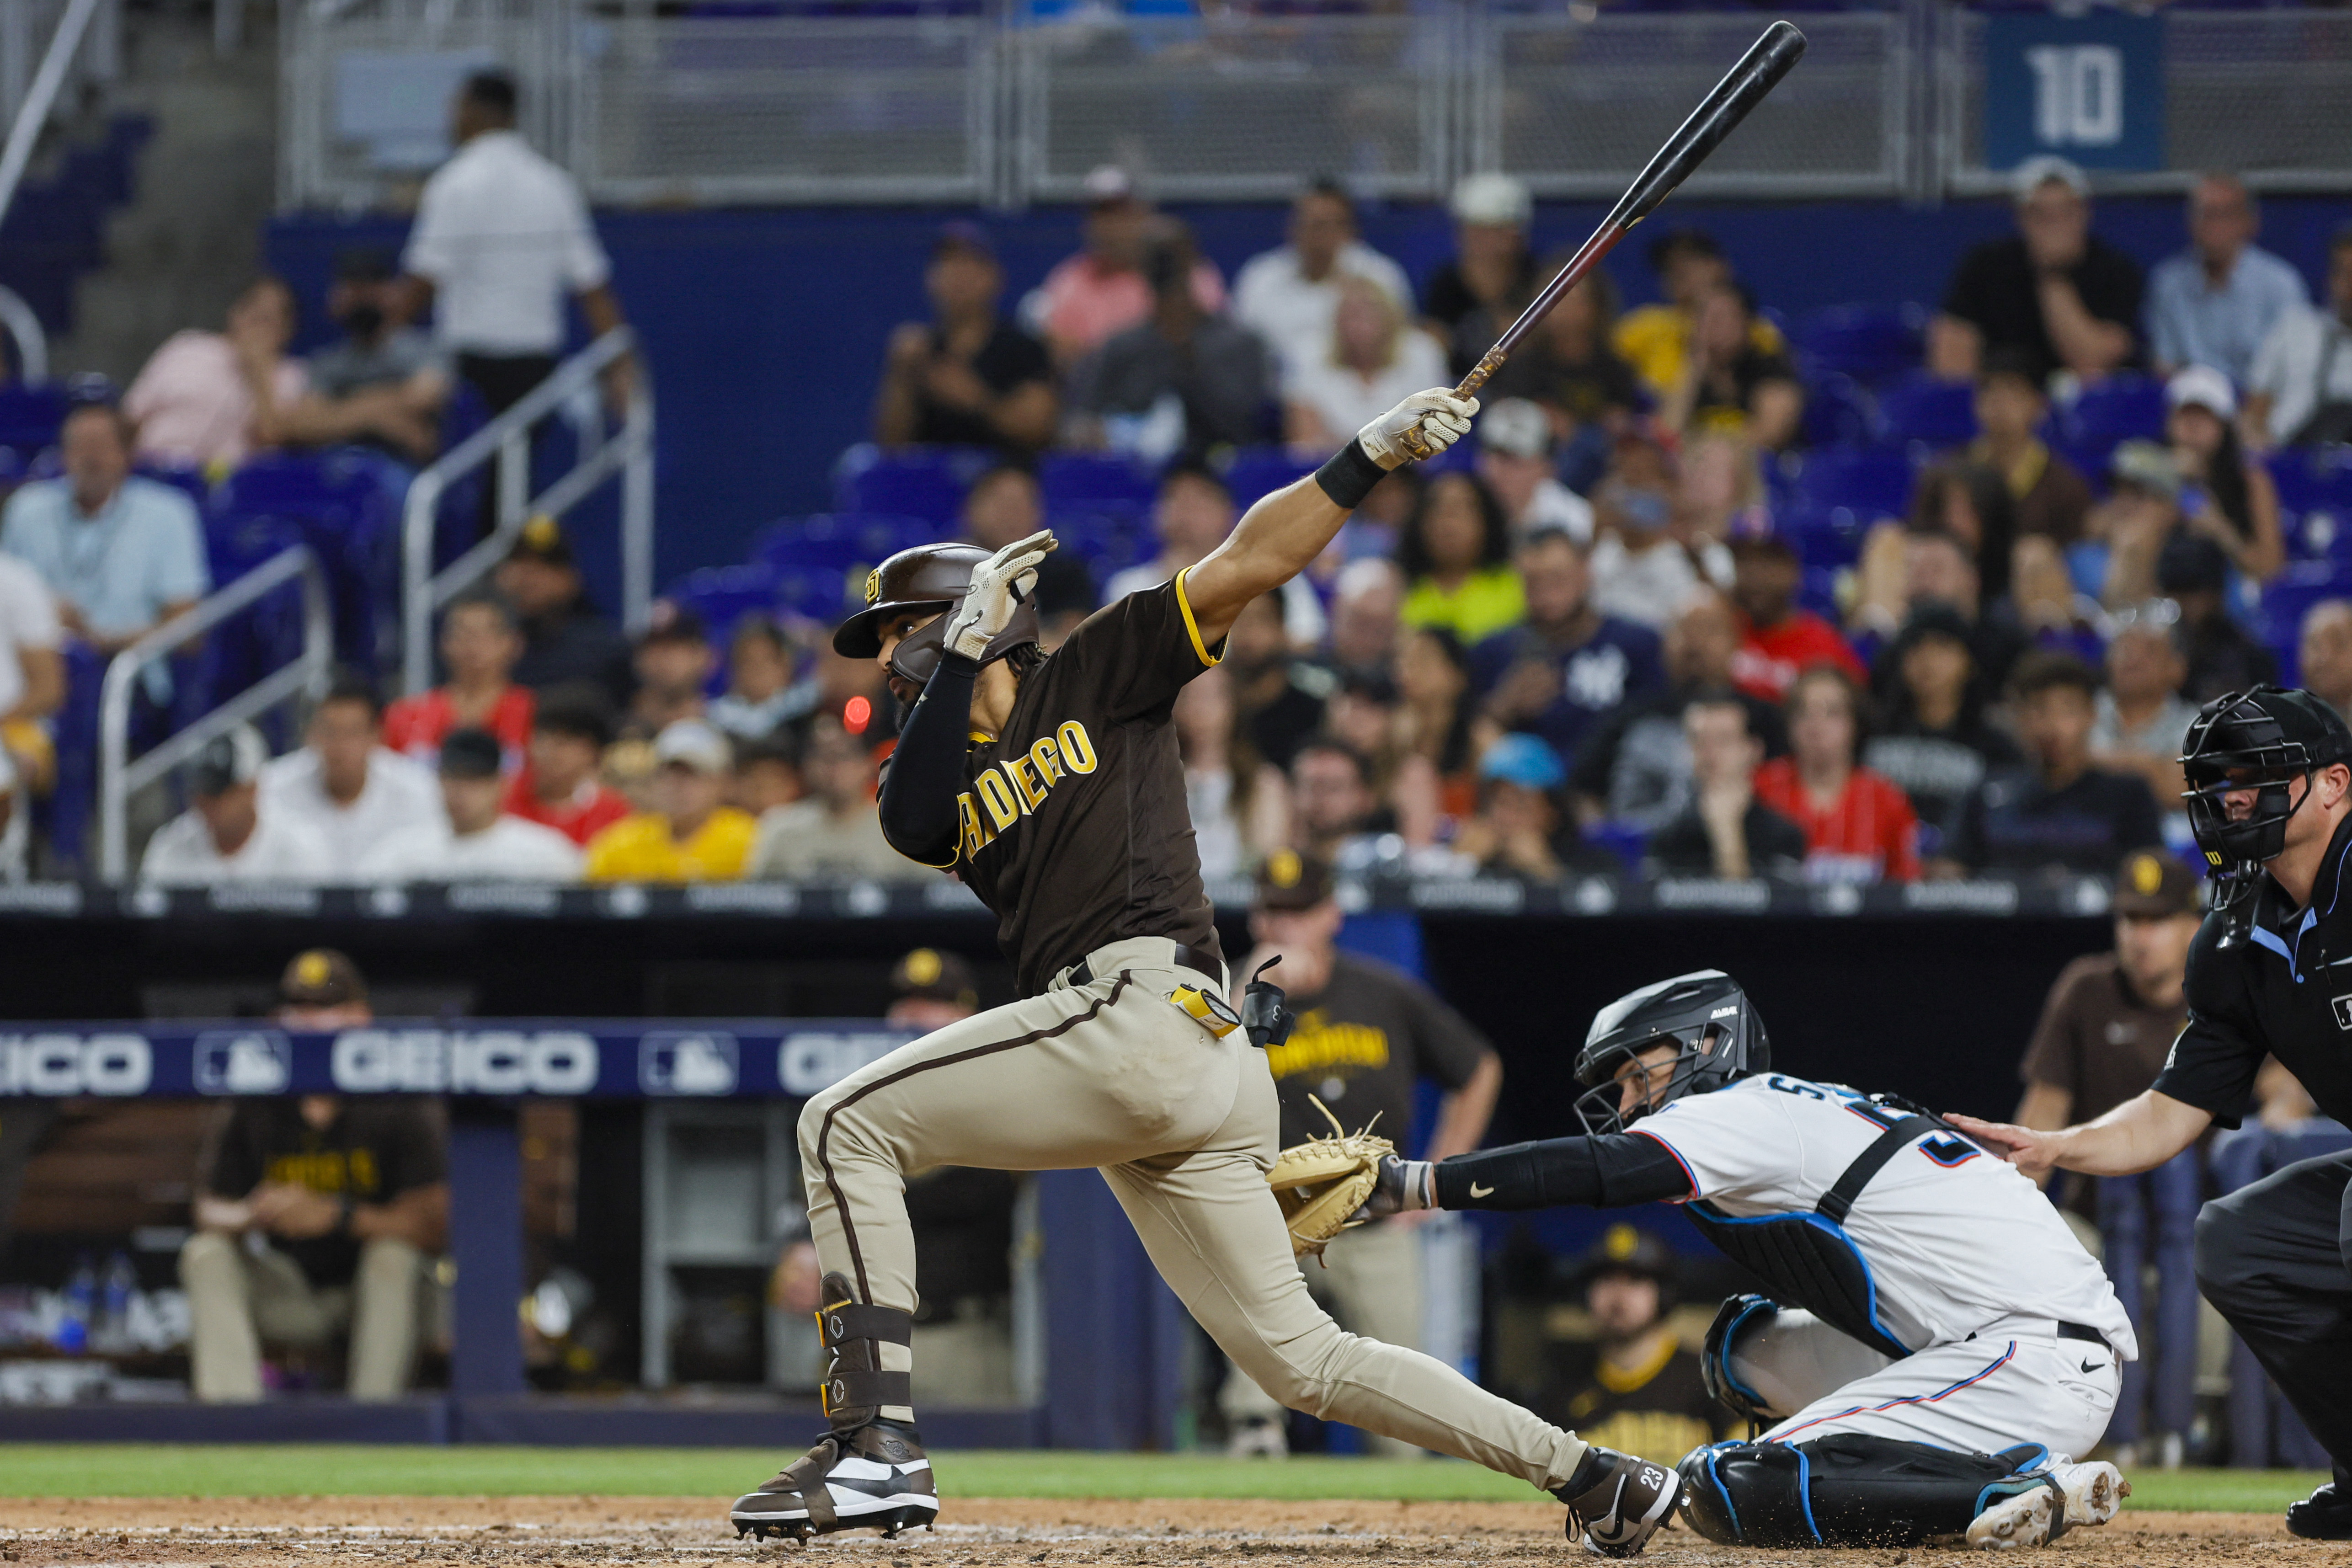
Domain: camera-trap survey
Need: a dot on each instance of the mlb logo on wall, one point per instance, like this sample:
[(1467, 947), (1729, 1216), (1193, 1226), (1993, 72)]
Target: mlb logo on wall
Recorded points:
[(243, 1061), (2344, 1012), (684, 1062)]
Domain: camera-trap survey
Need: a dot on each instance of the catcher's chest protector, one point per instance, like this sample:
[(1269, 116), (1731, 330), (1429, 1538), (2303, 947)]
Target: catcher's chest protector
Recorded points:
[(1807, 1259)]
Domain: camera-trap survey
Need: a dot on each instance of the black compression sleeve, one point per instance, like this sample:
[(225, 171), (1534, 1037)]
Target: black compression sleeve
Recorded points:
[(1605, 1172), (918, 793)]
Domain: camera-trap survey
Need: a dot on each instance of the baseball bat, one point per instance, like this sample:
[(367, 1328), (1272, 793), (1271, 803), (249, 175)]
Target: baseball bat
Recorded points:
[(1760, 70)]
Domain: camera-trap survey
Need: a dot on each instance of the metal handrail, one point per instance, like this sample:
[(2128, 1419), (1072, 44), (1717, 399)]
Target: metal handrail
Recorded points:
[(32, 339), (119, 777), (41, 96), (506, 440)]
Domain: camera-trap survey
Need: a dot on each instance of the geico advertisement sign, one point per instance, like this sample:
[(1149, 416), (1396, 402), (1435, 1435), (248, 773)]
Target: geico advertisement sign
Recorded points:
[(464, 1061), (59, 1064)]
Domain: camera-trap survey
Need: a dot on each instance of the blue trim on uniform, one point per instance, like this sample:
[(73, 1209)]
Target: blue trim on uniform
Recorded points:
[(1999, 1362), (1721, 1490), (1805, 1490), (1688, 1174), (1929, 1150), (2265, 937), (1730, 1337), (1823, 1221)]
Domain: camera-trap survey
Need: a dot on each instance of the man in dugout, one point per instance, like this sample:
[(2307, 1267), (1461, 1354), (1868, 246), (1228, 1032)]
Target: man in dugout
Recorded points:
[(1635, 1386)]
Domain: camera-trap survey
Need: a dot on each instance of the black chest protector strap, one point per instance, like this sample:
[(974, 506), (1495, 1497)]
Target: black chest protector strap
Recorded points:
[(1807, 1259)]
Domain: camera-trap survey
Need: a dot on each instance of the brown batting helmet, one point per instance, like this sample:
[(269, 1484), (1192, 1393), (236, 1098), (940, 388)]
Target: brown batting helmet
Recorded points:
[(927, 580)]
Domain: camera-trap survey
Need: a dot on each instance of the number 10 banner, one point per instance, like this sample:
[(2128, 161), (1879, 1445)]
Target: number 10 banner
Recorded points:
[(2087, 88)]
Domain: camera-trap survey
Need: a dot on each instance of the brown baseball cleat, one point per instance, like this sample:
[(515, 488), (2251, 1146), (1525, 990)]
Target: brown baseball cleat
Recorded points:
[(1617, 1501)]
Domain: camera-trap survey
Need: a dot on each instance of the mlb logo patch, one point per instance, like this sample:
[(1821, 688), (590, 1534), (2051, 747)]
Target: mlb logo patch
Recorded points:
[(2343, 1005), (229, 1061), (682, 1062)]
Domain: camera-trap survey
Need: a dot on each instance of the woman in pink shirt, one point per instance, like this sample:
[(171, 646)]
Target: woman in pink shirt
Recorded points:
[(194, 400)]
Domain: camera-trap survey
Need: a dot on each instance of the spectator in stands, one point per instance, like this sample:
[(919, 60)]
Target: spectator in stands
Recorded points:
[(761, 695), (1279, 695), (2223, 496), (1519, 829), (2048, 497), (2141, 718), (1491, 260), (1728, 385), (343, 783), (1934, 741), (1935, 566), (1568, 367), (501, 238), (1289, 295), (475, 840), (314, 1216), (1375, 361), (1725, 832), (968, 377), (479, 645), (1367, 614), (1004, 506), (1974, 504), (224, 835), (565, 639), (1635, 1386), (1367, 714), (2132, 526), (1181, 380), (1515, 458), (2105, 1029), (2222, 657), (2215, 302), (1455, 555), (1778, 640), (123, 555), (193, 401), (2070, 300), (767, 773), (1635, 769), (2060, 812), (1334, 813), (1657, 339), (1560, 671), (1858, 827), (1436, 709), (558, 785), (32, 673), (2324, 653), (834, 832), (2299, 392), (674, 664), (384, 386), (691, 835), (1230, 806), (1091, 298), (1641, 570)]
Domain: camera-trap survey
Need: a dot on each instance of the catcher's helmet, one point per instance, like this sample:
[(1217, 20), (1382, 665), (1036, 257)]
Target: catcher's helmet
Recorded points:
[(928, 580), (2260, 740), (1705, 1014)]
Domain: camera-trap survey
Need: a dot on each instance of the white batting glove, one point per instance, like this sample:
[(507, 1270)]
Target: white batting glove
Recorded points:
[(999, 584), (1421, 427)]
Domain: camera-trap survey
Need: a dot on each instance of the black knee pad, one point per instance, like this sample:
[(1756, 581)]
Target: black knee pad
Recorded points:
[(1840, 1491), (1748, 1494)]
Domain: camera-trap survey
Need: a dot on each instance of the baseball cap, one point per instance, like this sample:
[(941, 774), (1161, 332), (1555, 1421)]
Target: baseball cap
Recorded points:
[(2190, 563), (963, 234), (670, 621), (542, 539), (1289, 881), (471, 754), (1525, 761), (1516, 429), (1493, 199), (577, 707), (691, 743), (1752, 532), (227, 761), (2147, 465), (2202, 386), (2151, 885), (1107, 184), (2035, 172), (1933, 618), (1628, 1250), (321, 977), (938, 976)]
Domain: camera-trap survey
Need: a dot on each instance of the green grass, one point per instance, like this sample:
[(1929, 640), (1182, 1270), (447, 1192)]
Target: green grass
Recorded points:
[(64, 1469)]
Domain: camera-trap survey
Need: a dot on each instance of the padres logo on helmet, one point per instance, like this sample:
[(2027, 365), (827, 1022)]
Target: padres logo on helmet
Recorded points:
[(874, 585)]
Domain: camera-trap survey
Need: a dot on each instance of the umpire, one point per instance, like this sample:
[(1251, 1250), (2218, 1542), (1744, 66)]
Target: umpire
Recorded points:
[(2270, 799)]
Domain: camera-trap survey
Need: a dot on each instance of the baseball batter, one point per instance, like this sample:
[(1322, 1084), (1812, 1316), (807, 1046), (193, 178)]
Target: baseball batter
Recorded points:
[(1940, 1343), (1052, 785)]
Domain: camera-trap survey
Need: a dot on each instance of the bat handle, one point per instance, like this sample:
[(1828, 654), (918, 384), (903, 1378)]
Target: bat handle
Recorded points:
[(1416, 446)]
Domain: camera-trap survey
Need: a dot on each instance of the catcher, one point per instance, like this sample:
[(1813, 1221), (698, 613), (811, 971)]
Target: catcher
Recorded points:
[(1052, 785), (1937, 1342)]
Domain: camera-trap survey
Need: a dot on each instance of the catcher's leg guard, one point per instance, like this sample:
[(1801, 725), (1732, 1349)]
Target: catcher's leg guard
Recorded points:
[(1768, 1361), (1848, 1490), (868, 1471)]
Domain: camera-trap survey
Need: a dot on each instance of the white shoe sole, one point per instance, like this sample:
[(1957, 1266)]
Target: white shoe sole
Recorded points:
[(2094, 1493), (2025, 1519)]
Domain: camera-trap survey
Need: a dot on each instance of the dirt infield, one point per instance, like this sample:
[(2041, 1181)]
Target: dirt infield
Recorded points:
[(581, 1532)]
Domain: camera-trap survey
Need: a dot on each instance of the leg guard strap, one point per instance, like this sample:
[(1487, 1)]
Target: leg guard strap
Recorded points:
[(1845, 1490)]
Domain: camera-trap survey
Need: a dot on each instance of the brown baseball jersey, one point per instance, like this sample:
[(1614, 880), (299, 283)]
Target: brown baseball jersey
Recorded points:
[(1074, 831), (2097, 1040)]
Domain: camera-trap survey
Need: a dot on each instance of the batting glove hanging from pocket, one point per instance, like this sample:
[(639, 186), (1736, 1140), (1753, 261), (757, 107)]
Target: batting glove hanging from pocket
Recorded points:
[(1323, 1181), (999, 584)]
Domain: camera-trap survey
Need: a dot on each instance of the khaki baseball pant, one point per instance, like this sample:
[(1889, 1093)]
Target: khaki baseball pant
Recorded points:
[(237, 1299), (1369, 1278), (1182, 1126)]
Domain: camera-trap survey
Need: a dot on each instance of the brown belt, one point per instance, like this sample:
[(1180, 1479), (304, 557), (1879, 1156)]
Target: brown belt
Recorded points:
[(1192, 957)]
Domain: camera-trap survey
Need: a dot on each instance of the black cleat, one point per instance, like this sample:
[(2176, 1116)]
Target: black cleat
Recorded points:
[(2325, 1515), (1617, 1501), (873, 1477)]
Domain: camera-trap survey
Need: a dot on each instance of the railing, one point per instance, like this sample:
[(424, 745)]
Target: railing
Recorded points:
[(119, 777), (506, 441), (17, 319), (41, 98)]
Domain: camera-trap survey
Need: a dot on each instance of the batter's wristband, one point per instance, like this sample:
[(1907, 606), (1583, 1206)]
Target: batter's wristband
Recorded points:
[(1350, 476)]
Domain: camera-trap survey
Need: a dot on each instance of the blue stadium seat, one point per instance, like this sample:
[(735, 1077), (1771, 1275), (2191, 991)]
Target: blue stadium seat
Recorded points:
[(1927, 410), (1872, 481), (2120, 408), (1838, 413), (1257, 471), (30, 417), (346, 505), (1826, 537), (723, 595), (927, 482), (1082, 481), (2286, 601), (820, 564), (1871, 344)]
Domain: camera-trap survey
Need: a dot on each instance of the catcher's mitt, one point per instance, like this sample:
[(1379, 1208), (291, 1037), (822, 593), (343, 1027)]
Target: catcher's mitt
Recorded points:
[(1321, 1182)]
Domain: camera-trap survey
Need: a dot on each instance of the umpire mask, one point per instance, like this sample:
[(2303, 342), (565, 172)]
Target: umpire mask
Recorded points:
[(2261, 740), (1716, 1032)]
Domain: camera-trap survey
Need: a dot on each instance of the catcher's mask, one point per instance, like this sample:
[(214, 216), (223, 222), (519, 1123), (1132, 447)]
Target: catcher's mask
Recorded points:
[(929, 580), (2261, 740), (1704, 1014)]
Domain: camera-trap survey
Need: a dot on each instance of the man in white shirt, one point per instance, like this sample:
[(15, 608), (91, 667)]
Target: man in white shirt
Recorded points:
[(1288, 294), (2299, 393), (834, 831), (477, 842), (224, 835), (2215, 302), (352, 791), (1191, 515), (502, 237), (1515, 446)]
